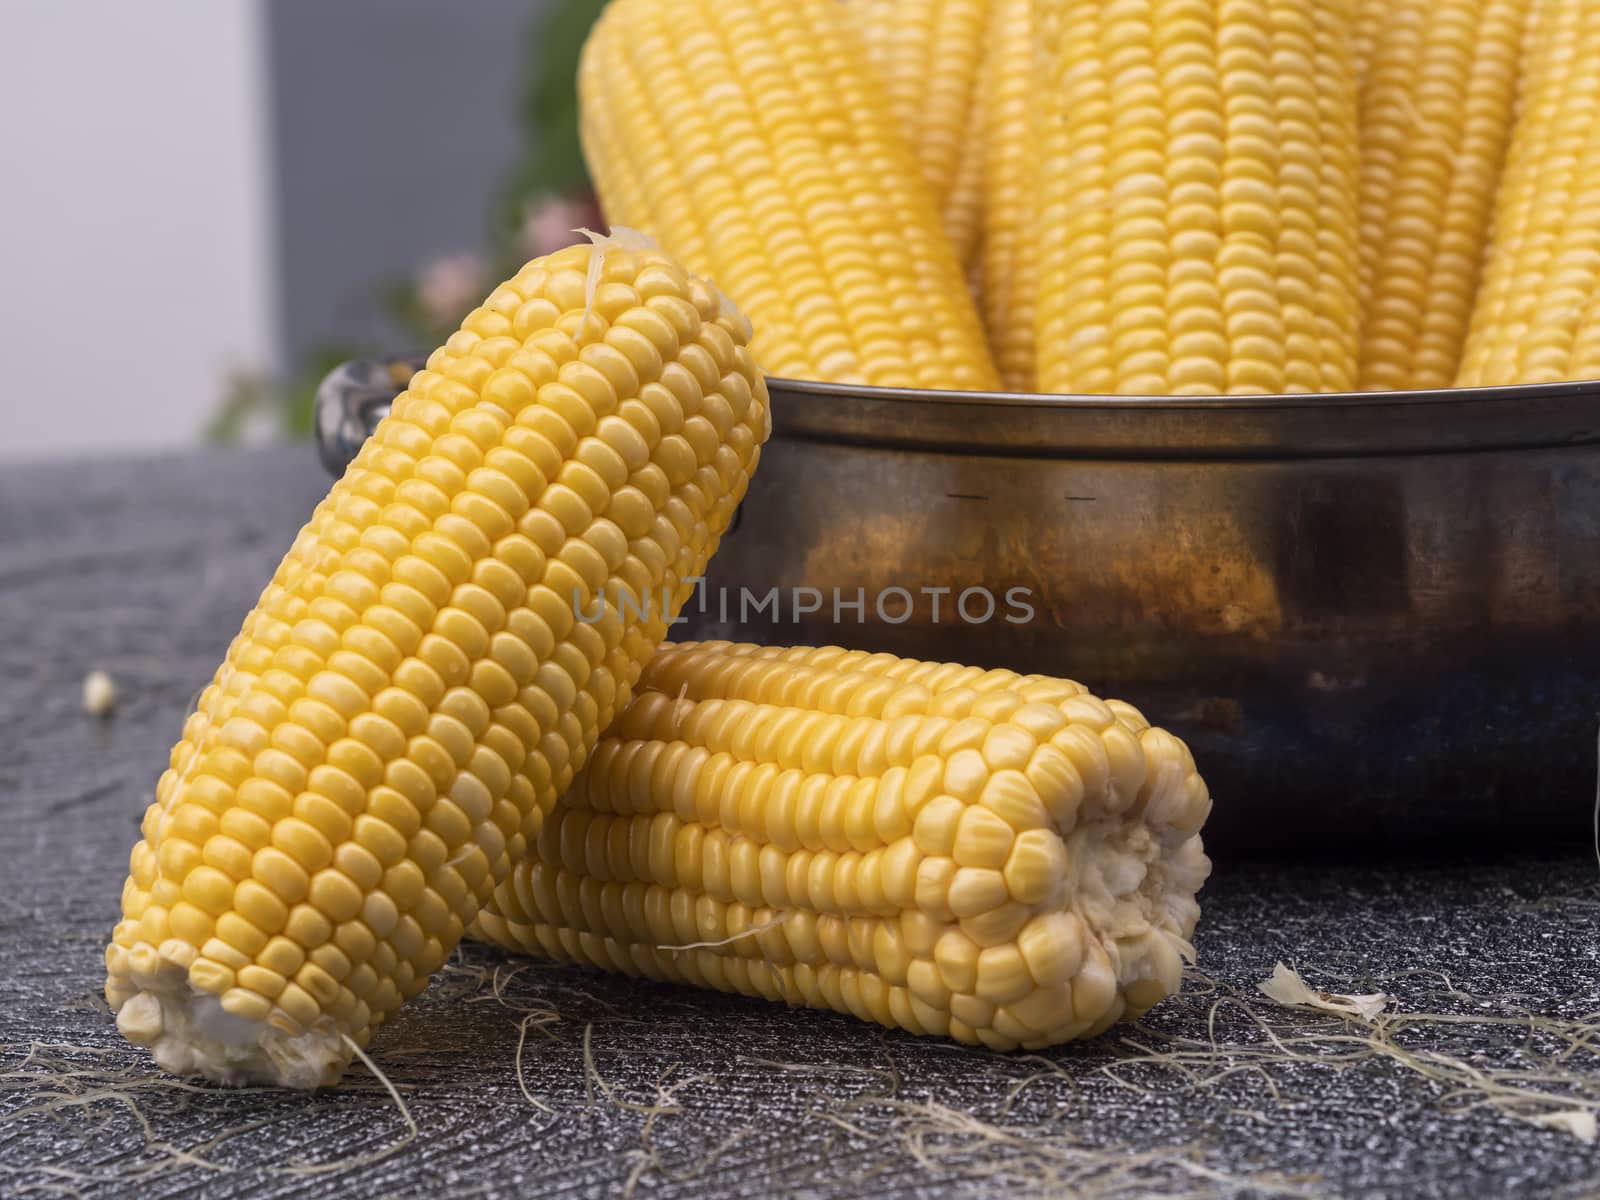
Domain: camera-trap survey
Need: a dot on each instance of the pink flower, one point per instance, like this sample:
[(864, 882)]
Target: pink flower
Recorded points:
[(448, 287), (551, 222)]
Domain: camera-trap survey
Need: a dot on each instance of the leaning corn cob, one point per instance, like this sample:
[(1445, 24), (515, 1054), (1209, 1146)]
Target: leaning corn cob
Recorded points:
[(1537, 317), (928, 53), (1436, 109), (1197, 230), (754, 141), (414, 690), (1001, 858)]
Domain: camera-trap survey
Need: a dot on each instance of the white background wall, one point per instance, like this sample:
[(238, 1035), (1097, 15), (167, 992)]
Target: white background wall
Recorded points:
[(135, 224)]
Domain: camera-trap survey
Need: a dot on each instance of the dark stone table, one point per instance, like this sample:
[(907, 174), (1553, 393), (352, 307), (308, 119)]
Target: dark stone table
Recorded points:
[(526, 1079)]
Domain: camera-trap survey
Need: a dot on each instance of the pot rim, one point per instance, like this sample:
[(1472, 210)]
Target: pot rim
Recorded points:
[(1439, 421)]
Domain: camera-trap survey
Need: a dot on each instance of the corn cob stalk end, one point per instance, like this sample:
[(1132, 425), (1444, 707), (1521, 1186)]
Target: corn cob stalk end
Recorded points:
[(188, 1032)]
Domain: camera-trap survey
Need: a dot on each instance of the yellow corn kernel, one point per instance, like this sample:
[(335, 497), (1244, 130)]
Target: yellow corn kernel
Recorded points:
[(913, 880), (1436, 108), (928, 53), (1367, 29), (1197, 193), (372, 751), (754, 140), (1537, 316)]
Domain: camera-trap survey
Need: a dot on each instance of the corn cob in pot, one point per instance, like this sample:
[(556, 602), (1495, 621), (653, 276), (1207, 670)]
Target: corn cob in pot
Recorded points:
[(1436, 107), (1008, 105), (1537, 315), (1197, 198), (754, 140), (929, 54)]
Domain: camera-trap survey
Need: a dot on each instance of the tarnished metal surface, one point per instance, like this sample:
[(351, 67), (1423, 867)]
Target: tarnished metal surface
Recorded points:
[(1357, 424), (145, 570), (351, 402), (1123, 427), (1407, 644)]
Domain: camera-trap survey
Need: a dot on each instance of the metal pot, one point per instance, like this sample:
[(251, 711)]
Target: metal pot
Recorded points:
[(1375, 618)]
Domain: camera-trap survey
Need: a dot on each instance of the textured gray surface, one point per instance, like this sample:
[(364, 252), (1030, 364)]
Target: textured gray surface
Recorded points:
[(144, 569)]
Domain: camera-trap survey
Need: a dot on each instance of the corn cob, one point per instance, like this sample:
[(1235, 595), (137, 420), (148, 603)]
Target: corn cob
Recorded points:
[(928, 53), (1008, 246), (751, 138), (998, 858), (414, 689), (1367, 29), (963, 208), (1537, 316), (1197, 187), (1436, 109)]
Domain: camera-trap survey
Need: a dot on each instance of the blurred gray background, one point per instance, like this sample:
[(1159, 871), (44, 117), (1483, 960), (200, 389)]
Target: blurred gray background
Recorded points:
[(392, 123), (196, 190)]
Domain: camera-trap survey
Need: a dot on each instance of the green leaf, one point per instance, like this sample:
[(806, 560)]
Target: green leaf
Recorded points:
[(245, 396)]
